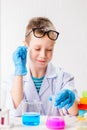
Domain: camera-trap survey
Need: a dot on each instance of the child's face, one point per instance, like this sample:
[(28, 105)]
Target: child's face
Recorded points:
[(41, 50)]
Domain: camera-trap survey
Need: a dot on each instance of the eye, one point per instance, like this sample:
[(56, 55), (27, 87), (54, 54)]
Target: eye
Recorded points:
[(49, 50), (37, 49)]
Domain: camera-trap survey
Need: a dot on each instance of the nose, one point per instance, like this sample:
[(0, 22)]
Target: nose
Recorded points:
[(42, 53)]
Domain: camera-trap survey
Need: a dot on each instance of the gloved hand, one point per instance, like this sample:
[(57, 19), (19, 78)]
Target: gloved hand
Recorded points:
[(64, 98), (19, 58)]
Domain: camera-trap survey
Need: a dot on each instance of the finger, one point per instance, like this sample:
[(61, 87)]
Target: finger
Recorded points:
[(22, 52), (60, 98), (57, 102), (71, 101), (72, 97), (63, 104), (16, 54), (62, 94), (69, 105)]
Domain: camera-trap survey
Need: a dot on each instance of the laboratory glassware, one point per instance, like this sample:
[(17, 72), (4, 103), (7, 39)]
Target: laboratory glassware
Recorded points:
[(54, 121), (31, 113)]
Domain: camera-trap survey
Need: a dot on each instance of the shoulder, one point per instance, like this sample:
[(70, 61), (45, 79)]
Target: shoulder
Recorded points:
[(56, 71)]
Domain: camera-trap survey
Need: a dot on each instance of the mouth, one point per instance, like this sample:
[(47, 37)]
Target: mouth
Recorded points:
[(41, 61)]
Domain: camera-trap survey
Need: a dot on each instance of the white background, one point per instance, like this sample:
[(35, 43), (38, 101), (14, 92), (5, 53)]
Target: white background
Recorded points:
[(70, 19), (0, 47)]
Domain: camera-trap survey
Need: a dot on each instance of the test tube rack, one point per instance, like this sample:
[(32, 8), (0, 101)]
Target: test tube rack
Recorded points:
[(4, 118)]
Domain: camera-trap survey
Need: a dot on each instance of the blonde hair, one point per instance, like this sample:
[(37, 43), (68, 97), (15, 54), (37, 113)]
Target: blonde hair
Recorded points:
[(37, 22)]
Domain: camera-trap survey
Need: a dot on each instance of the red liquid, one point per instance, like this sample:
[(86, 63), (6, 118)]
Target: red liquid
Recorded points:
[(2, 121)]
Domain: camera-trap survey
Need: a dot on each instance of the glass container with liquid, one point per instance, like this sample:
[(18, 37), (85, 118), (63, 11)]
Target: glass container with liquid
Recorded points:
[(54, 120), (31, 113)]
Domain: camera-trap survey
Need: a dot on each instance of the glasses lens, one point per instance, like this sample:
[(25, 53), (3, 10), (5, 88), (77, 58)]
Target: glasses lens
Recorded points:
[(38, 33), (53, 35)]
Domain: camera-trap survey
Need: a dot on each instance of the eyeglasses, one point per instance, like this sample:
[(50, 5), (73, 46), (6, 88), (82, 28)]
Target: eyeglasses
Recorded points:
[(40, 32)]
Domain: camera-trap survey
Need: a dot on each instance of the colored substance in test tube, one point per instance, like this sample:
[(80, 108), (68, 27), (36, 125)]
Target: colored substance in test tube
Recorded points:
[(82, 106), (83, 100), (55, 123), (84, 94), (2, 121), (82, 112), (31, 119)]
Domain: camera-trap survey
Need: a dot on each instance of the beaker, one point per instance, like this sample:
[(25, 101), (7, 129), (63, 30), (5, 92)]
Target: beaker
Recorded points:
[(54, 120), (31, 113)]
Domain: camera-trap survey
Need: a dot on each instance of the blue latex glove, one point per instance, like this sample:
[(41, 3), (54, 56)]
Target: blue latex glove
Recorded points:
[(19, 58), (64, 98)]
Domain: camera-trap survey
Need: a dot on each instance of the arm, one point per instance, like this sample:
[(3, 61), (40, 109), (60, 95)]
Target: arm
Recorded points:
[(17, 90), (19, 58), (70, 95), (73, 110), (66, 98)]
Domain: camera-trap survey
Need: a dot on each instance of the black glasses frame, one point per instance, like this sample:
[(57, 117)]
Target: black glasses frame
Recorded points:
[(44, 33)]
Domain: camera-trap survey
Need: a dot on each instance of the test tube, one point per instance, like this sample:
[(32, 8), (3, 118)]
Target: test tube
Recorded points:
[(1, 118), (7, 117), (4, 117)]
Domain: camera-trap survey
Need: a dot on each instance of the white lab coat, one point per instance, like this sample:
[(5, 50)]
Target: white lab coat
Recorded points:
[(54, 80)]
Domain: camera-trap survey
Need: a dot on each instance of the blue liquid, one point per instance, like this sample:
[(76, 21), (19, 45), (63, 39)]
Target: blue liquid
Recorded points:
[(31, 119)]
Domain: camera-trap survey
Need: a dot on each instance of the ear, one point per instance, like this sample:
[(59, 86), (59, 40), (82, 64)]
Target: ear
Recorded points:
[(25, 43)]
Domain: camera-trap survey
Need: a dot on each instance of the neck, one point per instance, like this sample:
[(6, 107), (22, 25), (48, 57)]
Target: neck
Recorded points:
[(37, 72)]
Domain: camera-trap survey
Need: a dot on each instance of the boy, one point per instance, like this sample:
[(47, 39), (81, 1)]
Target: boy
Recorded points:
[(40, 79)]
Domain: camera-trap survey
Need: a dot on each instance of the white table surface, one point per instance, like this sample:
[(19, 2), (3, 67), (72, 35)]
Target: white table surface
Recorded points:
[(72, 123)]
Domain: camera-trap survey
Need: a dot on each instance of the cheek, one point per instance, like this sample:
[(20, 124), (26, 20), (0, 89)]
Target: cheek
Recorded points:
[(50, 54), (32, 54)]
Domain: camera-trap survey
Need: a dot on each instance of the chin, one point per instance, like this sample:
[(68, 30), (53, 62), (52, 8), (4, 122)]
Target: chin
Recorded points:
[(42, 65)]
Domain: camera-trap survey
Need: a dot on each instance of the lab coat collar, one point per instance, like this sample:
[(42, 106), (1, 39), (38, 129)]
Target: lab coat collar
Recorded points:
[(50, 73)]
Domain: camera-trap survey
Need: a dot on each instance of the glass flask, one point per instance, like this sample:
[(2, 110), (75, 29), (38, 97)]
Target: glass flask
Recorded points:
[(55, 118), (31, 113)]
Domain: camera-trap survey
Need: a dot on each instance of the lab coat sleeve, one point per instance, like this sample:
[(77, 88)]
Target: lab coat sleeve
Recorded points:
[(68, 83)]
